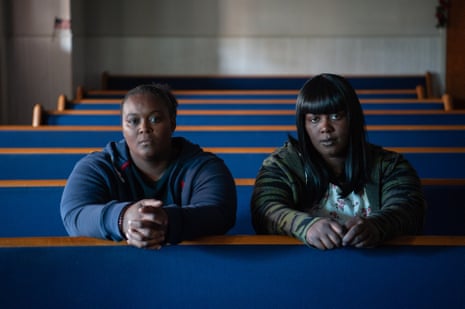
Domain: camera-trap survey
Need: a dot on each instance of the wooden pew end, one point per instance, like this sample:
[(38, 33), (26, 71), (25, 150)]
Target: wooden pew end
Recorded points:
[(37, 115), (80, 93), (448, 102), (429, 84), (61, 102), (420, 92)]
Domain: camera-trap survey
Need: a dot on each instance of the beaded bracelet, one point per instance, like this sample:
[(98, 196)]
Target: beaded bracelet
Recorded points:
[(120, 221)]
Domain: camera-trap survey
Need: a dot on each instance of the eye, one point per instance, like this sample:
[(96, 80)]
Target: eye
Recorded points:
[(334, 116), (154, 119), (337, 116), (132, 121), (313, 118)]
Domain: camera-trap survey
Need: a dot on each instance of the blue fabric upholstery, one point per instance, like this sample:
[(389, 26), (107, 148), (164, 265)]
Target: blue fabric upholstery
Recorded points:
[(34, 211), (126, 82), (394, 137), (287, 119), (242, 165), (275, 106), (232, 276)]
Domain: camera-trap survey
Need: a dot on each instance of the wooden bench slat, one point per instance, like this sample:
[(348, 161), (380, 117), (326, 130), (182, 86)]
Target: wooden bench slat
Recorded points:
[(442, 127), (219, 112), (244, 91), (229, 240), (243, 150), (291, 102), (238, 181)]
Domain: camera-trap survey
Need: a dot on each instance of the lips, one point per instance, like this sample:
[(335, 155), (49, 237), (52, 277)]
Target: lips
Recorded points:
[(328, 142), (145, 142)]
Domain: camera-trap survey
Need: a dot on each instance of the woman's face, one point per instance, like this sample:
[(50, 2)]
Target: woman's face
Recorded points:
[(147, 127), (329, 134)]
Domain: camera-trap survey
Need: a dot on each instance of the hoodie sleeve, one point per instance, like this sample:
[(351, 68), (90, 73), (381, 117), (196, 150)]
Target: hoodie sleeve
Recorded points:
[(87, 207), (209, 203), (402, 204), (277, 192)]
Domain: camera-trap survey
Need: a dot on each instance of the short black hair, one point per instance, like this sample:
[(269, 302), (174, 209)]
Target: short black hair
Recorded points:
[(161, 91)]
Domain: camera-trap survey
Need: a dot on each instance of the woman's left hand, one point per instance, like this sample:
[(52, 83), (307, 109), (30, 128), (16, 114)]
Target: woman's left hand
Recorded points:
[(361, 233), (147, 224)]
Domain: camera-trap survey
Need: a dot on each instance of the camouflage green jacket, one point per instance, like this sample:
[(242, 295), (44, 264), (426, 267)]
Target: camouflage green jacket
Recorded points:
[(279, 196)]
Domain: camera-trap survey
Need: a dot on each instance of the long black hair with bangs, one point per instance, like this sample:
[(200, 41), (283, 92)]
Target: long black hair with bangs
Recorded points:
[(328, 94)]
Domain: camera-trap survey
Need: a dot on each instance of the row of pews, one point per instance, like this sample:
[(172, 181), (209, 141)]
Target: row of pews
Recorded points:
[(242, 120), (242, 126)]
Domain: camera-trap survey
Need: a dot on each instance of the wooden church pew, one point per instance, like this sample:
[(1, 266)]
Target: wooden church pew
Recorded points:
[(259, 271), (244, 162), (220, 136), (31, 207), (414, 93), (112, 81), (260, 104), (254, 117)]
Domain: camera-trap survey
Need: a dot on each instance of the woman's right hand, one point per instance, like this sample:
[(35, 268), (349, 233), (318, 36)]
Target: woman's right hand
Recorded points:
[(145, 224), (325, 233)]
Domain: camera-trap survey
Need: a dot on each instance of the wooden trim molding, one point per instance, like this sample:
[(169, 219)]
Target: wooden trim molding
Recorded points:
[(219, 240)]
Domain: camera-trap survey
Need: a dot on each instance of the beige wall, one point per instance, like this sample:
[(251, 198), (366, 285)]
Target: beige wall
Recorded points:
[(214, 37), (3, 71), (38, 57), (250, 37)]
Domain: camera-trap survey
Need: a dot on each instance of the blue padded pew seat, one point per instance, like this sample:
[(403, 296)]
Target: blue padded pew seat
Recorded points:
[(289, 104), (31, 207), (57, 163), (110, 106), (291, 96), (250, 94), (51, 165), (232, 272), (44, 164), (225, 136), (279, 82), (447, 219), (53, 136), (265, 117), (224, 95), (202, 106), (181, 96), (262, 105), (126, 82)]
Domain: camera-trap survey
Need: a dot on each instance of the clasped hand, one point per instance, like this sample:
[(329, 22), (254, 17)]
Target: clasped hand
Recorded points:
[(357, 232), (145, 224)]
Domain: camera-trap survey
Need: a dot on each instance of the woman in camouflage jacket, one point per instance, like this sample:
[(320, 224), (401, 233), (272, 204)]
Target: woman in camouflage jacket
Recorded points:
[(330, 187)]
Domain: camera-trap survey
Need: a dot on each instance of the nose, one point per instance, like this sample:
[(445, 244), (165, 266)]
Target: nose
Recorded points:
[(144, 126), (325, 125)]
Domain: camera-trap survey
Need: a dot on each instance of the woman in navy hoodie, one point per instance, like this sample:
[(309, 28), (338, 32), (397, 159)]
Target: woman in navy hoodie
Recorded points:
[(150, 188)]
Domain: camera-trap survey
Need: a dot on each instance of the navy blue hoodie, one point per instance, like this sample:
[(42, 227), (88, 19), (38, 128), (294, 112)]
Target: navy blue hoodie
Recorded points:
[(199, 196)]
